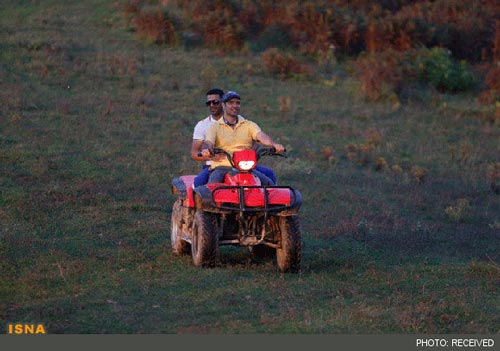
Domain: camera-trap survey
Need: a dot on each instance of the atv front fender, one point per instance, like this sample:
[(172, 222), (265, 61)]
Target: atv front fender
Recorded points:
[(182, 187)]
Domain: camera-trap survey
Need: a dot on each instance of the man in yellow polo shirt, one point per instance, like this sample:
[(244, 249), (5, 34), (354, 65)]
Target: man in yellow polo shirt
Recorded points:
[(233, 132)]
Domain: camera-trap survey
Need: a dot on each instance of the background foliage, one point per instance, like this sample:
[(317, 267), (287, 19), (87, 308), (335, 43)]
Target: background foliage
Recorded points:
[(452, 34)]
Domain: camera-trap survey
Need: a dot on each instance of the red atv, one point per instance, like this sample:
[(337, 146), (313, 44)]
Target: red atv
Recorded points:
[(239, 212)]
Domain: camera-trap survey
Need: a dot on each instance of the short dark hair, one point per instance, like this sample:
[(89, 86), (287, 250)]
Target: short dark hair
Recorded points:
[(216, 91)]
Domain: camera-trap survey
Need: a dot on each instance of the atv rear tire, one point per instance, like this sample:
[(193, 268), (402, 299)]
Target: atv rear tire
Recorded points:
[(289, 255), (179, 246), (204, 246)]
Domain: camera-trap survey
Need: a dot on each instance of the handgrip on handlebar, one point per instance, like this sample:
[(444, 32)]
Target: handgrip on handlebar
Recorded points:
[(273, 151), (215, 151), (270, 151)]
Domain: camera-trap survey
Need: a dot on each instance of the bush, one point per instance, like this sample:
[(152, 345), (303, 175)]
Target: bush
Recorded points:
[(466, 29), (437, 68), (387, 73), (282, 65), (382, 74), (217, 23), (492, 80), (271, 37), (457, 212), (470, 31), (155, 28)]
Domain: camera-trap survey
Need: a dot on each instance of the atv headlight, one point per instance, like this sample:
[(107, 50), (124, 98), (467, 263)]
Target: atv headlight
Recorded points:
[(246, 165), (245, 160)]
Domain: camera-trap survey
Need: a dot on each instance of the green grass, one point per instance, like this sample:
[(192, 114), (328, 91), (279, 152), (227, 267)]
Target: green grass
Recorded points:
[(94, 124)]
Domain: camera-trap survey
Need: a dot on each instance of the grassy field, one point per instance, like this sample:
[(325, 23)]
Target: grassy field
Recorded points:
[(400, 221)]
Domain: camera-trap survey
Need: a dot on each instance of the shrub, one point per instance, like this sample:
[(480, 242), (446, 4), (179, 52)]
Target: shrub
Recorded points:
[(382, 74), (437, 68), (467, 30), (216, 22), (470, 31), (458, 211), (309, 29), (155, 27), (313, 27), (282, 65), (492, 81), (271, 37)]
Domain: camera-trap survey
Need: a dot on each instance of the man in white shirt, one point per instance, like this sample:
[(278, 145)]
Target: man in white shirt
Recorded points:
[(214, 104)]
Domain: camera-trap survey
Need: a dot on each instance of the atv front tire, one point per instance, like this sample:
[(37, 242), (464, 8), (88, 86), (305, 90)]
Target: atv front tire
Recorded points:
[(289, 255), (179, 246), (204, 246)]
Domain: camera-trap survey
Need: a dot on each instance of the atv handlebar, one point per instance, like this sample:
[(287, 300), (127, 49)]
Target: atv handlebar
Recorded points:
[(269, 151), (260, 151)]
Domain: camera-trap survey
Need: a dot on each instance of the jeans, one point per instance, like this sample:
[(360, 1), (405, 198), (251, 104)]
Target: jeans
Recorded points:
[(202, 177), (268, 172)]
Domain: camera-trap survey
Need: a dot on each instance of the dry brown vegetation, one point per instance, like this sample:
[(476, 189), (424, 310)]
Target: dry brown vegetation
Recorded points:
[(391, 34)]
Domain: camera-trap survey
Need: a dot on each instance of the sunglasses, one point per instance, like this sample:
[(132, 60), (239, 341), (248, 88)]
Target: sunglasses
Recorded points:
[(212, 102)]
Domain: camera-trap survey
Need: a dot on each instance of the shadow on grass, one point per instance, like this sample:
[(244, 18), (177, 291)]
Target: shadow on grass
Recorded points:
[(348, 251)]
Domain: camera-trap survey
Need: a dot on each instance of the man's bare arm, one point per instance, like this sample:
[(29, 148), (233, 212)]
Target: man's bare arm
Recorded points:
[(206, 149), (265, 139), (195, 149)]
